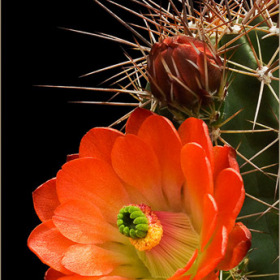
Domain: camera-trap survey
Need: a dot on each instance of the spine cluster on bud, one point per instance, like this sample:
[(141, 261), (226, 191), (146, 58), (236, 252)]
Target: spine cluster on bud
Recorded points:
[(185, 74)]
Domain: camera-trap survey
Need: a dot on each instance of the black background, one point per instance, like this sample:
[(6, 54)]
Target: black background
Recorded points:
[(39, 125)]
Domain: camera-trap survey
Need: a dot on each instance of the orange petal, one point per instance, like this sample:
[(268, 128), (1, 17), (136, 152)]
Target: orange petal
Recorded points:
[(179, 274), (72, 156), (45, 200), (94, 181), (195, 130), (49, 245), (137, 165), (239, 242), (79, 277), (198, 175), (90, 260), (211, 256), (210, 211), (211, 276), (98, 143), (229, 196), (224, 157), (52, 274), (83, 222), (136, 119), (161, 135)]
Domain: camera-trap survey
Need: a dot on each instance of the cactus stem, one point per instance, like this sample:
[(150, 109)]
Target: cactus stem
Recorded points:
[(261, 151), (273, 92), (273, 31), (247, 131), (261, 201), (255, 170), (273, 56), (268, 209), (230, 118), (225, 46), (258, 61), (258, 231), (240, 66), (263, 275), (249, 216), (275, 260), (244, 158), (273, 70), (264, 126), (259, 103), (259, 49), (264, 75), (242, 72), (235, 29)]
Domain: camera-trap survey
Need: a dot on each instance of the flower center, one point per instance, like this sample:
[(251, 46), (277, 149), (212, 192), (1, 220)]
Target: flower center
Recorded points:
[(141, 225)]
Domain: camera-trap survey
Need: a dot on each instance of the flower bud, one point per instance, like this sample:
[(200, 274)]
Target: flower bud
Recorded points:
[(183, 72)]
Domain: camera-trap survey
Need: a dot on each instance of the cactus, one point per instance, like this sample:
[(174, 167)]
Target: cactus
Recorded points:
[(245, 36), (256, 95)]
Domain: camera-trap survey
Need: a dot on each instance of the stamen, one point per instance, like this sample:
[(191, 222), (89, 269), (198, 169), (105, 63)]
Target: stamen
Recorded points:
[(141, 225)]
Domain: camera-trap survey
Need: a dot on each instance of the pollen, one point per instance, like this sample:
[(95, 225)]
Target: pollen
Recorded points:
[(151, 240)]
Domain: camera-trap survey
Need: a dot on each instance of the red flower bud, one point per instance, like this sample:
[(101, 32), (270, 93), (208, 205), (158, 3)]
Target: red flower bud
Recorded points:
[(184, 72)]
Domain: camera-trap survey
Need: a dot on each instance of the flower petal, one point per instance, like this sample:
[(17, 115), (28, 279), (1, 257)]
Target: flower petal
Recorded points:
[(198, 174), (206, 62), (195, 130), (210, 211), (94, 181), (49, 245), (45, 200), (211, 276), (229, 195), (135, 120), (239, 242), (210, 258), (183, 55), (83, 222), (160, 133), (71, 157), (98, 143), (179, 275), (137, 165), (224, 157), (79, 277), (90, 260), (52, 274), (176, 248)]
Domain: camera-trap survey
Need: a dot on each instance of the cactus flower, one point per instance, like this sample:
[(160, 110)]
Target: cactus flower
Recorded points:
[(151, 203), (184, 71)]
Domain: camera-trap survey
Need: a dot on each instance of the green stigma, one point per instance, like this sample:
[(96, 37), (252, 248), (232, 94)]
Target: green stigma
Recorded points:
[(132, 222)]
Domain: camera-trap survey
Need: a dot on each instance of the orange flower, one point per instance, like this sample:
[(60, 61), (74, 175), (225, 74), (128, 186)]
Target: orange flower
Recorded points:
[(151, 203)]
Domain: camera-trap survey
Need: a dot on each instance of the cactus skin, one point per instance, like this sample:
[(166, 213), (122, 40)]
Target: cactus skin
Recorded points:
[(211, 23), (243, 93)]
